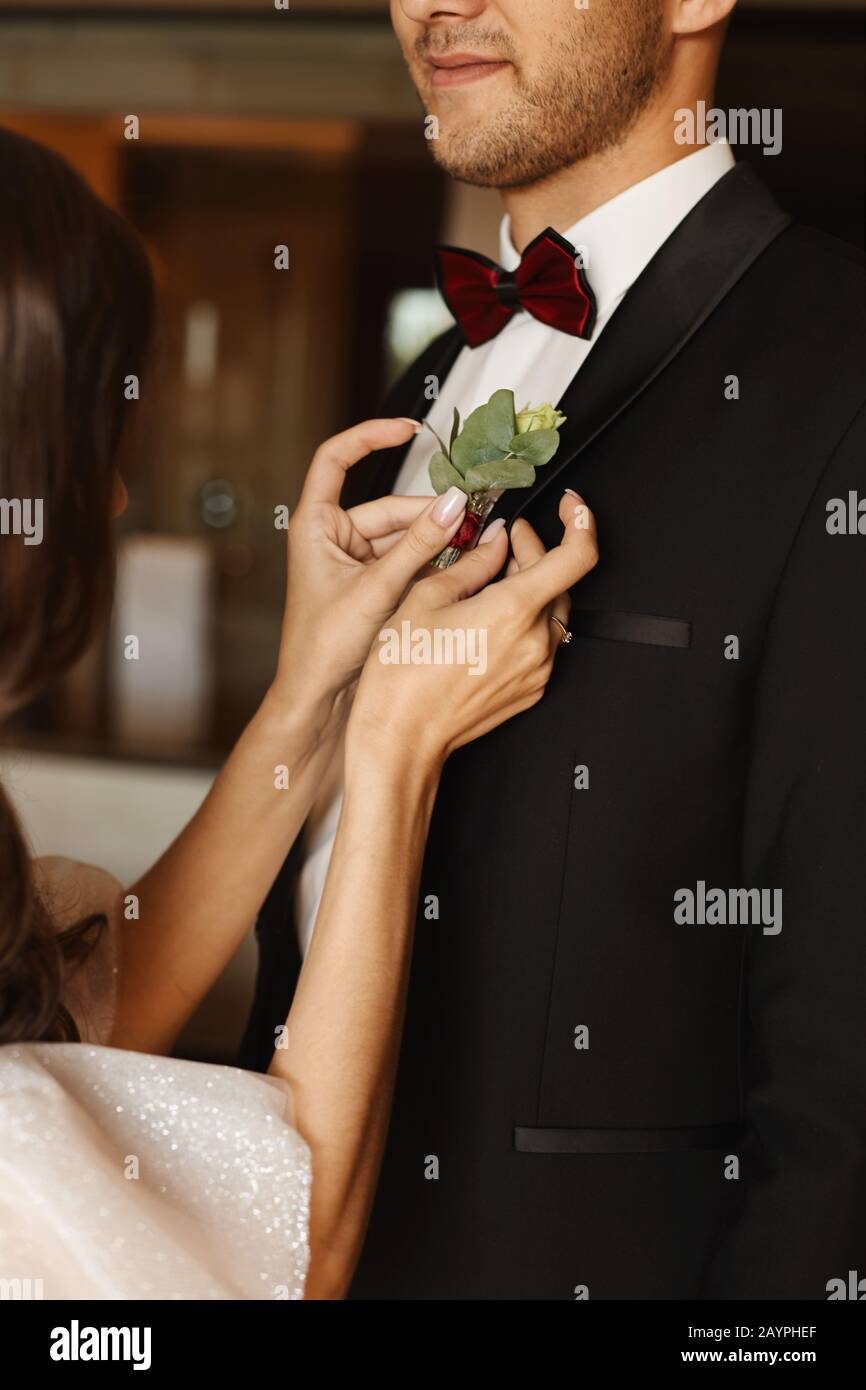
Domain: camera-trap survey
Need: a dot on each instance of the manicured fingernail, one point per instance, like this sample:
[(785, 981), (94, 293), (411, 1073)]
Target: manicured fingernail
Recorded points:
[(416, 424), (492, 531), (449, 506), (571, 492)]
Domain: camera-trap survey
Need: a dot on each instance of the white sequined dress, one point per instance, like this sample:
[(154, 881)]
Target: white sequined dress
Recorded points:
[(124, 1176)]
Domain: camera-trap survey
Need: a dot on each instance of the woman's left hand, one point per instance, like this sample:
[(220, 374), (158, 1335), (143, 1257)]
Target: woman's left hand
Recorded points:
[(348, 570)]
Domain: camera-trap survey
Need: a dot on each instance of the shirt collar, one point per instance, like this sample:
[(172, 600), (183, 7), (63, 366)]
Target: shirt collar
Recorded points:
[(620, 238)]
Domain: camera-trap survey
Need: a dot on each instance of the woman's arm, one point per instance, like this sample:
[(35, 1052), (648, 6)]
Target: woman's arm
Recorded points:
[(198, 901), (343, 1031), (342, 1035), (347, 573)]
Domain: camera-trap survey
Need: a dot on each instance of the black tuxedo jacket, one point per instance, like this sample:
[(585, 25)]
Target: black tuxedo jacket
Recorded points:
[(595, 1099)]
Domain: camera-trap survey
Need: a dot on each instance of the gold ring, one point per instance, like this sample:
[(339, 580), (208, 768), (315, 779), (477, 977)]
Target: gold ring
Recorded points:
[(566, 635)]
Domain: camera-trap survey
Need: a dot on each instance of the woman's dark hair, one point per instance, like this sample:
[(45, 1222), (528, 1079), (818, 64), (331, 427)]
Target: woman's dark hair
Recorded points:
[(76, 311)]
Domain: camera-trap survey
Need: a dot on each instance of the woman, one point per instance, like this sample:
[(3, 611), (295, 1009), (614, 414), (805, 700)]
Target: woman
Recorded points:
[(125, 1173)]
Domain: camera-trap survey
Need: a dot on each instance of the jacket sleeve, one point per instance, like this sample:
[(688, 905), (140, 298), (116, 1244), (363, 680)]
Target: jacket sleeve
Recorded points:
[(802, 1219)]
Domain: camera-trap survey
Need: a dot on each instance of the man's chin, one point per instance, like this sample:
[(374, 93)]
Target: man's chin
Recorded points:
[(480, 167)]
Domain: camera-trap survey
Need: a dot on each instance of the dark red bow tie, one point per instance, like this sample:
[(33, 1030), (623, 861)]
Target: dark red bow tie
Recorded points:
[(548, 283)]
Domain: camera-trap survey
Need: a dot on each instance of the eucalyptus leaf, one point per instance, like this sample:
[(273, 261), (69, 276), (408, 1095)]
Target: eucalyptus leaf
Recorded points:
[(443, 474), (455, 430), (438, 439), (501, 423), (500, 473), (536, 447), (473, 444)]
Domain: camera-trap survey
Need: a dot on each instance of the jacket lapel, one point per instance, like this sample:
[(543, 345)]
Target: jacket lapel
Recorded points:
[(375, 475), (688, 277), (686, 280)]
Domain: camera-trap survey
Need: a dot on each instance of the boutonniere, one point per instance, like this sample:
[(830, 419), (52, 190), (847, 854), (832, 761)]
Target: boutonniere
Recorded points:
[(494, 449)]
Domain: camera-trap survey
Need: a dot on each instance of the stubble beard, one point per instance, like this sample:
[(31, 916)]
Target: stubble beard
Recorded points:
[(584, 100)]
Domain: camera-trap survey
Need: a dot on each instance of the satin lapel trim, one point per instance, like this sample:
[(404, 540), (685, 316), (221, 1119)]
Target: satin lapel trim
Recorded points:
[(687, 279), (382, 468)]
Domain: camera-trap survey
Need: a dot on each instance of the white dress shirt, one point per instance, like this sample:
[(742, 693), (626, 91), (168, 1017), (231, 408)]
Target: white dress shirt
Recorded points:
[(617, 241)]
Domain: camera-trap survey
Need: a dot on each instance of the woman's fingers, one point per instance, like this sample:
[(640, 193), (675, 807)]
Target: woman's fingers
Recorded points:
[(528, 550), (429, 533), (526, 545), (333, 459), (574, 513), (471, 572), (555, 571), (382, 544), (378, 519), (560, 609)]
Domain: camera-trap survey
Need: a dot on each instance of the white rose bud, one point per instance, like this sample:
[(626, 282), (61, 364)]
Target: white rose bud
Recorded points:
[(539, 417)]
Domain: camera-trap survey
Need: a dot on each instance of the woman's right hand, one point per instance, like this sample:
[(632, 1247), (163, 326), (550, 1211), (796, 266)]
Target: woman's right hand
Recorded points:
[(431, 709), (349, 569)]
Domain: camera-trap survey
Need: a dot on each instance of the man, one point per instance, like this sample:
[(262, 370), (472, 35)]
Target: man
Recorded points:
[(635, 1058)]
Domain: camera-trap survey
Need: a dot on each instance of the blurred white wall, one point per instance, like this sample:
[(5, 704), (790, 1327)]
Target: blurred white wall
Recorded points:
[(163, 615)]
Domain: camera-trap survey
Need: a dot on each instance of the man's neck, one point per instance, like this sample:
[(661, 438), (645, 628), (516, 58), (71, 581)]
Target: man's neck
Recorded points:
[(576, 190)]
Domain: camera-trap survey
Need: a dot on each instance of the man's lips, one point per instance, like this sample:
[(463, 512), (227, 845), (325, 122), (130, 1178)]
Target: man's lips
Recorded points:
[(456, 69)]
